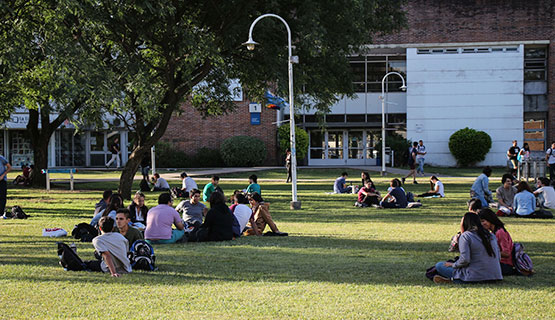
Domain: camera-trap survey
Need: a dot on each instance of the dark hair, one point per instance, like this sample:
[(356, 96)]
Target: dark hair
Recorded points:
[(241, 199), (106, 224), (395, 183), (525, 146), (193, 192), (434, 178), (522, 185), (371, 183), (106, 194), (116, 202), (472, 223), (513, 171), (125, 212), (544, 181), (216, 198), (488, 215), (474, 205), (366, 175), (256, 197), (215, 178), (164, 198), (487, 171), (254, 178), (183, 175), (344, 174), (156, 175), (415, 144), (505, 177)]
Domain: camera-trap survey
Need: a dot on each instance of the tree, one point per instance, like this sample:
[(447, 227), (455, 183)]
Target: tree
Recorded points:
[(43, 71)]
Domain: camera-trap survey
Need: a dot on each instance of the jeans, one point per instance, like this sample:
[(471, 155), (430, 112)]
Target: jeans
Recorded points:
[(446, 272), (482, 199), (176, 236), (420, 165), (3, 195)]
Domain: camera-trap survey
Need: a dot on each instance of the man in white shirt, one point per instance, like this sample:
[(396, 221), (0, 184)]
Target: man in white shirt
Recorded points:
[(160, 184), (545, 194), (188, 183), (242, 214), (420, 153)]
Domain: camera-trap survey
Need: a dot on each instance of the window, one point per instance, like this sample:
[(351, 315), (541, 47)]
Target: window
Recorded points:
[(535, 64), (368, 74), (317, 144), (534, 132)]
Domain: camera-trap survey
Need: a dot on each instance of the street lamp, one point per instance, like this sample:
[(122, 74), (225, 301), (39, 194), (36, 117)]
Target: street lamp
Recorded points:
[(382, 97), (250, 44)]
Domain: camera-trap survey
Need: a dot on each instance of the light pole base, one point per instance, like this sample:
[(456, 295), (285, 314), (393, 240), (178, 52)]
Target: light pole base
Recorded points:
[(384, 173), (295, 205)]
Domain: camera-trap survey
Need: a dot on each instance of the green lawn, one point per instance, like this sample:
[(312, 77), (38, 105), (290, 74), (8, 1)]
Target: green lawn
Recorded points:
[(339, 262)]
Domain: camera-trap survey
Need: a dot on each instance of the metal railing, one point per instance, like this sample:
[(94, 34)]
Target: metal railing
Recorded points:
[(532, 169)]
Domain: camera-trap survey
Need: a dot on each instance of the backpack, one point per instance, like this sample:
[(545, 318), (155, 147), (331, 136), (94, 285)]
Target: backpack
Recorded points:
[(69, 260), (141, 255), (522, 261), (143, 186), (410, 197), (177, 192), (85, 232), (15, 213)]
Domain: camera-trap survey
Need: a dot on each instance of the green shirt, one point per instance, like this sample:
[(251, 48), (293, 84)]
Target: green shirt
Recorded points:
[(254, 187), (207, 191), (133, 235)]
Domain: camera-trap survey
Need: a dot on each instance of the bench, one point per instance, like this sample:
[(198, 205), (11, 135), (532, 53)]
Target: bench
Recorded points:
[(48, 171)]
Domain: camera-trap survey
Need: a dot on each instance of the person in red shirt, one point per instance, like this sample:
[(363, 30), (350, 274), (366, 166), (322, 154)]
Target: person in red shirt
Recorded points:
[(492, 223), (368, 195)]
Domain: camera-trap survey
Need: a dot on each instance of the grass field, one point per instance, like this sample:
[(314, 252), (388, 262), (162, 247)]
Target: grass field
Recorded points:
[(339, 262)]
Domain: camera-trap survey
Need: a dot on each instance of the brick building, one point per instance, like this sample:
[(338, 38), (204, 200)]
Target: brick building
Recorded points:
[(487, 65)]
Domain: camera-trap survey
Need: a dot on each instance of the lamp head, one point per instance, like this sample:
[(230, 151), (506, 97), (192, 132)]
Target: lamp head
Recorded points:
[(403, 88), (250, 44)]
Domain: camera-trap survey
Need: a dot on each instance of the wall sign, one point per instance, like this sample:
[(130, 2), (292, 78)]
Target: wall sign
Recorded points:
[(255, 118)]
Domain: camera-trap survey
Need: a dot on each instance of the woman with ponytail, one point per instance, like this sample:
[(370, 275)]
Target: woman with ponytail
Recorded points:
[(479, 259)]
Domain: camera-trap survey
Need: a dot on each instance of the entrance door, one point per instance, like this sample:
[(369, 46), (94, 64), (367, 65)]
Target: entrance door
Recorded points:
[(343, 147)]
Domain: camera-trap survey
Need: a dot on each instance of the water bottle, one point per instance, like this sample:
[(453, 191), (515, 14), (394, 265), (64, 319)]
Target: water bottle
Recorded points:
[(73, 247)]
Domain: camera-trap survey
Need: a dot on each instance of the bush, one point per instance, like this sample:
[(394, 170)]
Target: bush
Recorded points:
[(206, 158), (243, 151), (469, 146), (398, 144), (301, 141), (167, 156)]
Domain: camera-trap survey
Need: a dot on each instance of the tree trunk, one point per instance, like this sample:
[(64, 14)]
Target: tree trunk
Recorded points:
[(40, 157), (129, 170)]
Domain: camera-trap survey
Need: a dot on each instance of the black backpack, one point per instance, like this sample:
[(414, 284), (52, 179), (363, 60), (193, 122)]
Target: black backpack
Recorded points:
[(143, 186), (85, 232), (15, 213), (141, 255), (69, 260)]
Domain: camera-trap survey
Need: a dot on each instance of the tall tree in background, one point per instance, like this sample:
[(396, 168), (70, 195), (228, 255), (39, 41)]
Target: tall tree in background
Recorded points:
[(165, 52)]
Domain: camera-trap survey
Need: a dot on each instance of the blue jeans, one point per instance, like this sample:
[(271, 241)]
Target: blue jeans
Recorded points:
[(176, 236), (420, 165), (446, 272), (482, 199)]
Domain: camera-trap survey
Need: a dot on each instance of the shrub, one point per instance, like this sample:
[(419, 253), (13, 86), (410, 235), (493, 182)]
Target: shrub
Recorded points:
[(301, 141), (469, 146), (167, 156), (398, 144), (207, 157), (243, 151)]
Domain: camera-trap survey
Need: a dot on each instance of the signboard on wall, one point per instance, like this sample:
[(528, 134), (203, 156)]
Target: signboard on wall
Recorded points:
[(255, 118)]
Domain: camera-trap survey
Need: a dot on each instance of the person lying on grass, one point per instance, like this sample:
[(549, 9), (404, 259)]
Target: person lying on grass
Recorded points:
[(112, 248), (396, 198), (492, 223), (262, 218), (479, 256), (436, 188)]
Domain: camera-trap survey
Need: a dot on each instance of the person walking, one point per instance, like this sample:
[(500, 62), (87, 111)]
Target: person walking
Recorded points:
[(412, 163), (114, 148), (5, 167), (288, 165), (550, 159), (512, 154), (420, 153)]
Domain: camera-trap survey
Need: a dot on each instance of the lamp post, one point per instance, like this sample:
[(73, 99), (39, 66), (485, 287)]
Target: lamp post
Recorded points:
[(382, 97), (295, 204)]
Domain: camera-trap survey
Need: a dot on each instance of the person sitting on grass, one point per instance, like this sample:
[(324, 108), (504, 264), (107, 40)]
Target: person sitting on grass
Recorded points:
[(160, 184), (364, 175), (116, 202), (545, 194), (218, 224), (340, 185), (211, 187), (396, 198), (253, 185), (242, 214), (505, 195), (437, 188), (187, 184), (159, 222), (192, 210), (479, 256), (103, 203), (480, 187), (368, 195), (122, 223), (112, 248), (525, 203), (492, 223), (24, 177), (474, 205), (262, 218), (137, 209)]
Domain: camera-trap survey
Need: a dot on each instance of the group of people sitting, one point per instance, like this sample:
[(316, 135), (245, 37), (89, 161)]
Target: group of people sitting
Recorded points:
[(190, 221), (515, 197)]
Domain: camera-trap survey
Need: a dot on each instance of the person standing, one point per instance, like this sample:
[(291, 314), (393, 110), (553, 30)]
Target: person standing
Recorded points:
[(288, 165), (420, 153), (5, 167), (550, 159), (114, 148), (512, 154), (412, 163)]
